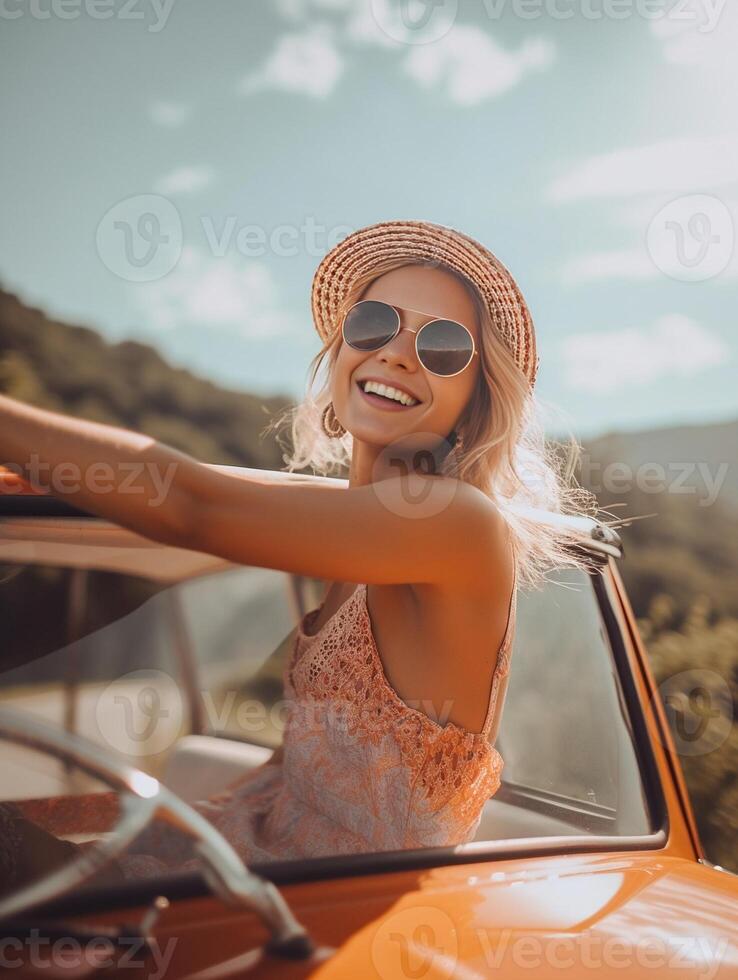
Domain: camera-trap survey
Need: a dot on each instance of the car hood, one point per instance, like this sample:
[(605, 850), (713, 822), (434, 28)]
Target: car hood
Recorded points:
[(619, 915)]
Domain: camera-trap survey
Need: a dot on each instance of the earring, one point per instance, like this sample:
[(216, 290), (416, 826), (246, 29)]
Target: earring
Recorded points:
[(457, 442), (331, 425)]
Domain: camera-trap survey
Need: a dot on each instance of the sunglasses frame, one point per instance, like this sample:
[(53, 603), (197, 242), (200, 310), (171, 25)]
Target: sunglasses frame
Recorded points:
[(417, 331)]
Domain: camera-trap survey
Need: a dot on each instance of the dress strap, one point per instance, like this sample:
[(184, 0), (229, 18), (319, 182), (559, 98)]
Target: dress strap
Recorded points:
[(502, 666)]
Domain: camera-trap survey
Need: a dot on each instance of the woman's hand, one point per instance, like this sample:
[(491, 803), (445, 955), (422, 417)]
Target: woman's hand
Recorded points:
[(12, 483), (124, 476)]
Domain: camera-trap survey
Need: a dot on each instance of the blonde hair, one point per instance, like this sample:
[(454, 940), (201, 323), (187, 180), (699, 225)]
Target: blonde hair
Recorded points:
[(504, 452)]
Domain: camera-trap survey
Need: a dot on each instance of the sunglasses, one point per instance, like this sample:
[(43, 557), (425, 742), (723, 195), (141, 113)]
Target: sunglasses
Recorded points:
[(443, 347)]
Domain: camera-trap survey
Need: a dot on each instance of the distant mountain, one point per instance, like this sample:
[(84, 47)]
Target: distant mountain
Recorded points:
[(73, 369), (679, 485), (703, 457)]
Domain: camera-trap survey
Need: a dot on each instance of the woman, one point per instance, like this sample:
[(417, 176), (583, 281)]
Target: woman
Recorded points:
[(395, 682)]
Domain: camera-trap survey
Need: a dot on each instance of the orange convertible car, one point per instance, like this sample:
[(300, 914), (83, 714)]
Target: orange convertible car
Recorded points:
[(138, 678)]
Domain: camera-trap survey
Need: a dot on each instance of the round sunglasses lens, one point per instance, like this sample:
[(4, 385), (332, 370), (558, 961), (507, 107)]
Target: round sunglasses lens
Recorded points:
[(445, 347), (369, 325)]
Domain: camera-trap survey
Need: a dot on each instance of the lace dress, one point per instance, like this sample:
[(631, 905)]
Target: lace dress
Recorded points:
[(361, 770)]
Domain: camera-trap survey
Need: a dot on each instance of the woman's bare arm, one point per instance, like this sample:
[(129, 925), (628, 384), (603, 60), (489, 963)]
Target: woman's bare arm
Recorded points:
[(404, 529), (278, 476), (12, 483)]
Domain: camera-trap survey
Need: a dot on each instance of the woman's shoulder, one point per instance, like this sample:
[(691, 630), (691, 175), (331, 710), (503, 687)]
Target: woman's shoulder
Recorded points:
[(490, 546)]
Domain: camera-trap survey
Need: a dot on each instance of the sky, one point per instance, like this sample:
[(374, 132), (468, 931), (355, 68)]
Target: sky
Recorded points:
[(174, 171)]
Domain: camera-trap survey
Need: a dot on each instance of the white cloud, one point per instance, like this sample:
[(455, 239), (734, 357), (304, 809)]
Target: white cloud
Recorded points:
[(184, 180), (669, 165), (389, 24), (363, 27), (470, 66), (651, 257), (170, 114), (616, 264), (307, 62), (674, 346), (696, 33), (463, 61), (377, 22), (229, 293)]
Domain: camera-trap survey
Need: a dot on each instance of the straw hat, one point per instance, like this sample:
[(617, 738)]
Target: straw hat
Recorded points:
[(365, 248)]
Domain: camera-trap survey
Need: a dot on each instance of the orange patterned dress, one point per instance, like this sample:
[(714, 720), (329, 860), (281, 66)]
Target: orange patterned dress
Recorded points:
[(361, 770)]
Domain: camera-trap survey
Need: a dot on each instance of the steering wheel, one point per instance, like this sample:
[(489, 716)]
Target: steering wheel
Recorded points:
[(141, 799)]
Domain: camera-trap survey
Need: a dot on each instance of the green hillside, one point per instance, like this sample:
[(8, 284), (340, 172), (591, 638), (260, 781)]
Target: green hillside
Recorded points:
[(73, 369), (680, 569)]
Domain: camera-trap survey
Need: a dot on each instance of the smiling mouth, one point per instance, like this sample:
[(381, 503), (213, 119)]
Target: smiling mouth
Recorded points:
[(386, 395)]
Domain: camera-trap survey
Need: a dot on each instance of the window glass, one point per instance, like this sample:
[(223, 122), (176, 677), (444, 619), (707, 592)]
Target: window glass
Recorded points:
[(141, 666), (565, 735)]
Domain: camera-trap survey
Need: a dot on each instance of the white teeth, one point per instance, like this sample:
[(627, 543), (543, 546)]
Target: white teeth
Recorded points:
[(393, 393)]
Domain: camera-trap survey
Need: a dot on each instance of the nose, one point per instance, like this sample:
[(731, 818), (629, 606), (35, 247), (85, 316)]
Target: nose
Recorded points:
[(400, 351)]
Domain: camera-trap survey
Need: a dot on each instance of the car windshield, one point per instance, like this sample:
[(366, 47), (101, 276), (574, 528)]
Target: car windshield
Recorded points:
[(184, 679)]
